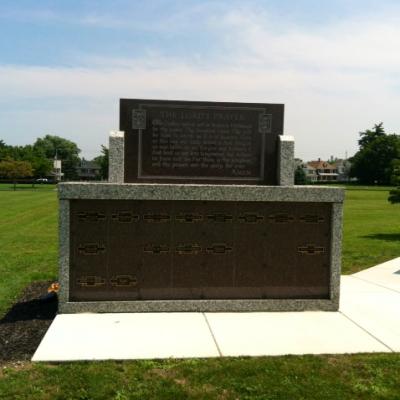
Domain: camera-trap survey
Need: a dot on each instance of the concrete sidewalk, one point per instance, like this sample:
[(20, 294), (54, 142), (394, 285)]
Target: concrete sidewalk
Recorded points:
[(368, 321)]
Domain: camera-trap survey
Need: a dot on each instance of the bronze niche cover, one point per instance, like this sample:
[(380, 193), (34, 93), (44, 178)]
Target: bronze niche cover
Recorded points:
[(160, 250), (202, 142)]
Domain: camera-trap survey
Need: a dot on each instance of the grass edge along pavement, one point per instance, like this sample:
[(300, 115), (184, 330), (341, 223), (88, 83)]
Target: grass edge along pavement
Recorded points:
[(27, 186), (361, 376)]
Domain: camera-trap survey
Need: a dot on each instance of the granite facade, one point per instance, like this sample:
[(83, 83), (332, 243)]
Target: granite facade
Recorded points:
[(77, 191), (116, 157), (148, 191), (285, 160)]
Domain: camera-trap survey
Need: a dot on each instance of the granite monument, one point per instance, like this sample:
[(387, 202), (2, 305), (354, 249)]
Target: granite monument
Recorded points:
[(200, 214)]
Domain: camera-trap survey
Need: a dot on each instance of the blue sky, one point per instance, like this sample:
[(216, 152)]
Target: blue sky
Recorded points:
[(65, 64)]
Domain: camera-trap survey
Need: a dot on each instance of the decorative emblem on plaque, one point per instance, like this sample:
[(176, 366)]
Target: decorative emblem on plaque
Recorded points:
[(123, 280), (188, 248), (156, 218), (91, 249), (219, 248), (219, 217), (91, 281), (250, 218), (281, 218), (125, 217), (189, 218), (312, 219), (156, 248), (91, 216), (139, 119), (264, 123), (311, 250)]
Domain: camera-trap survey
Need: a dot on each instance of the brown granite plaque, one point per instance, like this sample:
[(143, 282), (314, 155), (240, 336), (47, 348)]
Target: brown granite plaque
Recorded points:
[(149, 250), (170, 141)]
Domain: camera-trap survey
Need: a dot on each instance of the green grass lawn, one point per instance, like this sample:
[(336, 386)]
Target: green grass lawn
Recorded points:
[(28, 238), (28, 252), (371, 229), (364, 377)]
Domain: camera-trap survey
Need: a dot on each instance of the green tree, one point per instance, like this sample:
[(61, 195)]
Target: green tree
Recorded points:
[(394, 195), (373, 163), (18, 153), (395, 178), (4, 150), (66, 151), (102, 160), (41, 165), (370, 135), (300, 177), (12, 169)]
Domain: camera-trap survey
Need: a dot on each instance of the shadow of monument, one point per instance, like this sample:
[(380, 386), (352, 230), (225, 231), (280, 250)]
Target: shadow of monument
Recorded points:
[(23, 327), (388, 237), (43, 309)]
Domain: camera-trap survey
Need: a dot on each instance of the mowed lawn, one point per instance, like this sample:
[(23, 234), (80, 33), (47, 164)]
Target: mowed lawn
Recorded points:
[(28, 252), (28, 240), (371, 229), (348, 377)]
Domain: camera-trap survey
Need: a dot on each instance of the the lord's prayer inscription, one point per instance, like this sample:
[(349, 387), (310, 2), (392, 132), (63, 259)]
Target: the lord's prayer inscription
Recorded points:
[(204, 142)]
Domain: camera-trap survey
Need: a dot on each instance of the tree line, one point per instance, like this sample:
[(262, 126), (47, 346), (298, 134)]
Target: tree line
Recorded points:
[(36, 160), (378, 160)]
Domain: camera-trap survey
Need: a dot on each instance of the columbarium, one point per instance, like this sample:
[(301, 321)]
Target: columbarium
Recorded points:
[(200, 214)]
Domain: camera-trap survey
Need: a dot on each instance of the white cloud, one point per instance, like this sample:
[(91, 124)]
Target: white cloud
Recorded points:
[(335, 80), (357, 43)]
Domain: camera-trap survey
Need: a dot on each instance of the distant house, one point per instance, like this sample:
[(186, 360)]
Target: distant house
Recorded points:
[(88, 170), (311, 173), (343, 169), (322, 171)]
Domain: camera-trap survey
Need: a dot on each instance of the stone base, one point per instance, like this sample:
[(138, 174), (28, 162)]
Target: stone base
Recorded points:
[(244, 305), (115, 258)]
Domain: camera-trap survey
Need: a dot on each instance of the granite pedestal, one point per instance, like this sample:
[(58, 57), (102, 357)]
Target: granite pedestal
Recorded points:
[(199, 247)]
